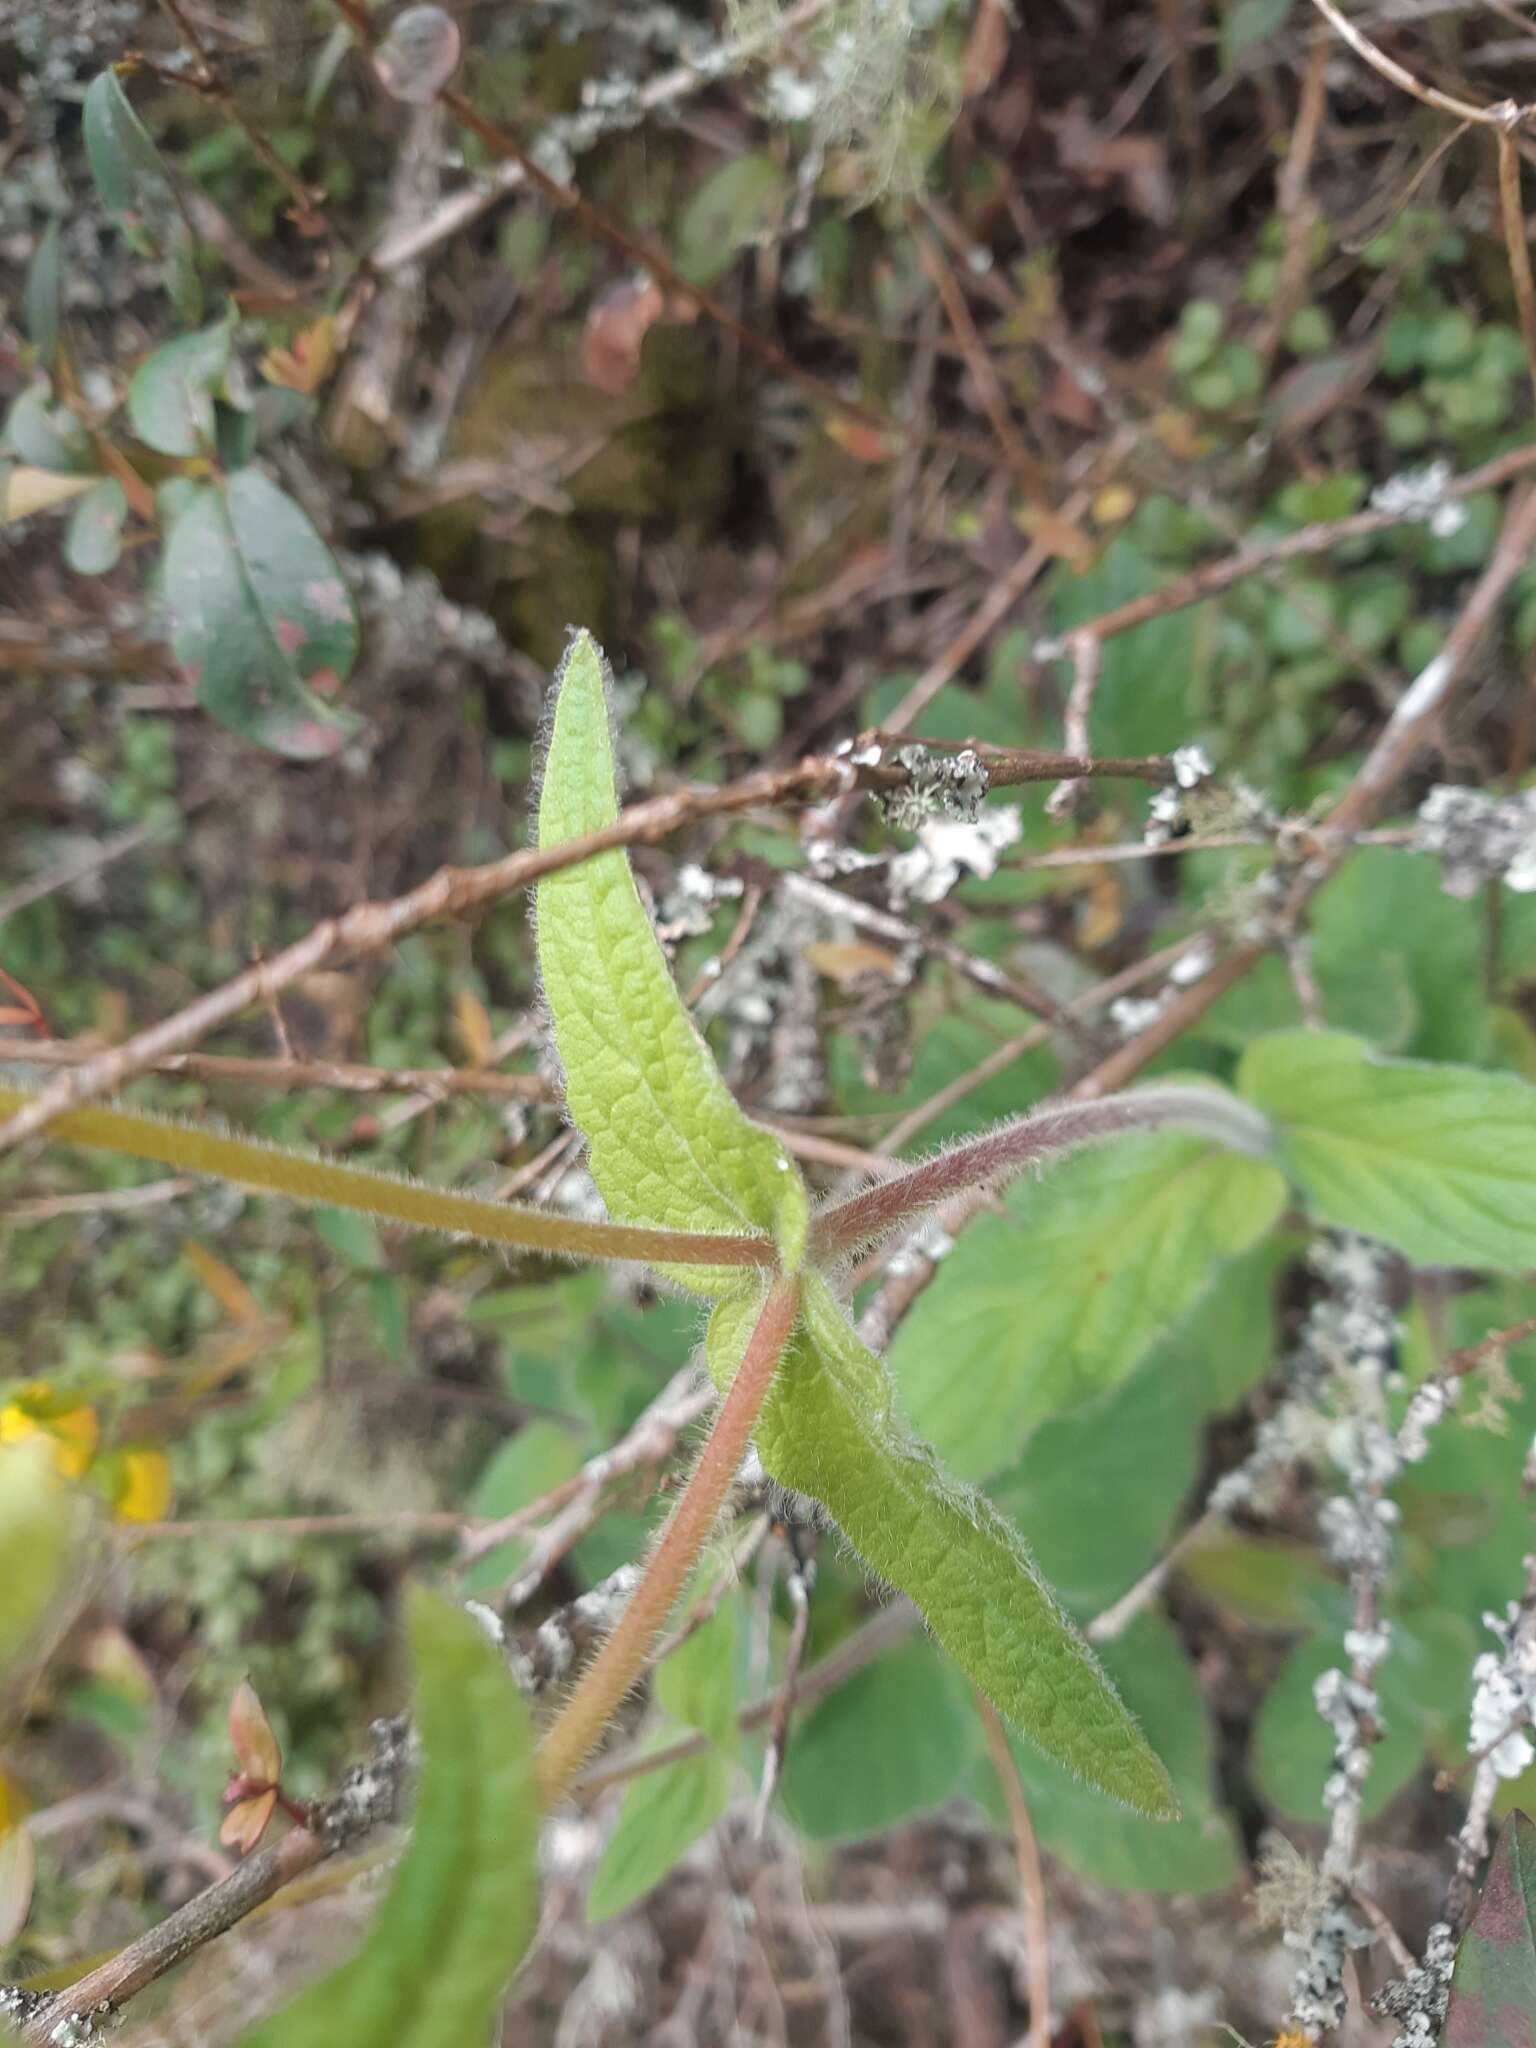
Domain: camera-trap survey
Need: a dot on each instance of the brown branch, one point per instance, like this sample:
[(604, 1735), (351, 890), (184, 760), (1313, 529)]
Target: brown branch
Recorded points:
[(1518, 244), (368, 1797), (1037, 1927), (1504, 114), (437, 1084), (1212, 578), (457, 892), (209, 81)]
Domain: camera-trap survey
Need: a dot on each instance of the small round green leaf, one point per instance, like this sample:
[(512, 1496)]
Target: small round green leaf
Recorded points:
[(171, 393), (93, 539)]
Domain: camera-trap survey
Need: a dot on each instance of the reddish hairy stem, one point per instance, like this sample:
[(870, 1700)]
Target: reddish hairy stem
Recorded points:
[(619, 1662), (1005, 1152)]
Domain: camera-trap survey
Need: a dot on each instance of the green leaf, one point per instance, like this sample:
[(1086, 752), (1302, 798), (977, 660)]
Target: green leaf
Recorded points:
[(1149, 675), (897, 1739), (129, 172), (259, 610), (1386, 911), (171, 393), (459, 1911), (1438, 1161), (667, 1143), (664, 1813), (1246, 22), (829, 1429), (1422, 1688), (40, 302), (93, 539), (38, 1523), (542, 1455), (48, 436), (1493, 1986), (1036, 1312), (1105, 1844), (353, 1238), (1140, 1444), (697, 1683), (727, 214)]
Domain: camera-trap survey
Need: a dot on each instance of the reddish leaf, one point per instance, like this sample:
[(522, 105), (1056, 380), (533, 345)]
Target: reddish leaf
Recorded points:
[(257, 1755), (1493, 1990), (617, 324), (246, 1822)]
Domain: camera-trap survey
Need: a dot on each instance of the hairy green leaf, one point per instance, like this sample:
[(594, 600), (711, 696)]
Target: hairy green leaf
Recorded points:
[(260, 615), (171, 393), (668, 1144), (38, 1523), (93, 539), (459, 1911), (664, 1813), (1106, 1844), (829, 1429), (1493, 1987), (1034, 1313), (1438, 1161)]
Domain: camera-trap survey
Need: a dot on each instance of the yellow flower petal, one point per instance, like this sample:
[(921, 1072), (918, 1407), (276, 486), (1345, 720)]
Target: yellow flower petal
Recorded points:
[(143, 1487)]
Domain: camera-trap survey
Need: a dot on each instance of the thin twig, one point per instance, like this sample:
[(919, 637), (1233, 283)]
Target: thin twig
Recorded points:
[(1037, 1926), (1517, 243), (801, 1578), (1505, 113), (457, 892), (1212, 578), (209, 81)]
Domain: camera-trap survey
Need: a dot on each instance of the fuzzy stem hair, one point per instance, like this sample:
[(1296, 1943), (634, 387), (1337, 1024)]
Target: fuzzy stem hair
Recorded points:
[(270, 1169), (1002, 1153), (617, 1665)]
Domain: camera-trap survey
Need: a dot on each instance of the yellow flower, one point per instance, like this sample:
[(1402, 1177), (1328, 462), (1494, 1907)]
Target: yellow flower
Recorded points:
[(37, 1411), (143, 1486)]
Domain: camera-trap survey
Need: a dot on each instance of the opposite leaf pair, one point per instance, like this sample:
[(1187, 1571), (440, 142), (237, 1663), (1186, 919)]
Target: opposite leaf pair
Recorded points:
[(669, 1147)]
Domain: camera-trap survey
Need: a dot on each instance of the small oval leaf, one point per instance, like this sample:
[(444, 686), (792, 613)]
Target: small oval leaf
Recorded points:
[(93, 539), (259, 614), (171, 393), (664, 1813)]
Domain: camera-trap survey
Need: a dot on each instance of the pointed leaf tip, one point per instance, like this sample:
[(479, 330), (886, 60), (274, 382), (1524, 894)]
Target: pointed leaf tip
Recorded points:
[(667, 1142)]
